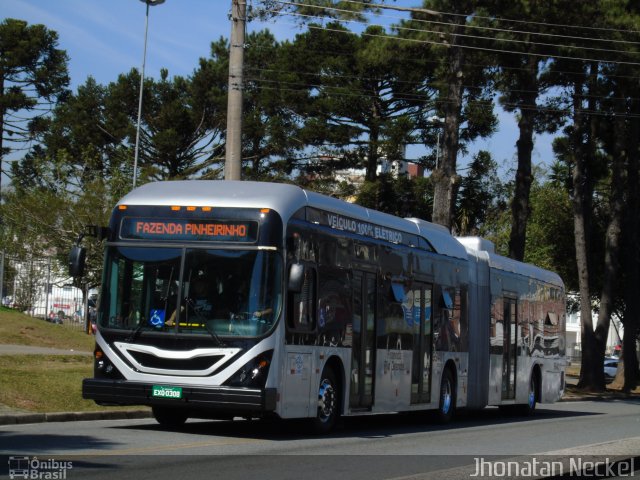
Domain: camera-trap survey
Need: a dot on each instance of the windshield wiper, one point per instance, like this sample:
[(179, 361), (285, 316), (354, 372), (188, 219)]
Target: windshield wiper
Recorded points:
[(135, 332), (214, 335), (204, 323)]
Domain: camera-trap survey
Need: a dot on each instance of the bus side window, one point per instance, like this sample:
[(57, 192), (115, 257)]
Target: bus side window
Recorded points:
[(334, 304), (302, 312)]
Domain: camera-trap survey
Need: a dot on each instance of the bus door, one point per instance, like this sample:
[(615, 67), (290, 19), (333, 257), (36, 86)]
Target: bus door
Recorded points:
[(420, 321), (363, 349), (510, 349)]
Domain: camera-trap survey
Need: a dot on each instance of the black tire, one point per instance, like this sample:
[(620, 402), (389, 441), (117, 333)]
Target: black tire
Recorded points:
[(169, 417), (529, 408), (328, 410), (447, 406)]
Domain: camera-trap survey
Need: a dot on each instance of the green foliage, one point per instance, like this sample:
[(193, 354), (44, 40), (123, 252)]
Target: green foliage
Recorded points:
[(33, 69), (181, 124), (84, 161), (481, 195), (83, 142), (401, 196), (363, 99), (271, 127), (550, 242), (44, 221), (33, 76)]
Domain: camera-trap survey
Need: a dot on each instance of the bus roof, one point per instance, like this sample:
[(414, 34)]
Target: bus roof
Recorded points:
[(286, 199), (475, 245)]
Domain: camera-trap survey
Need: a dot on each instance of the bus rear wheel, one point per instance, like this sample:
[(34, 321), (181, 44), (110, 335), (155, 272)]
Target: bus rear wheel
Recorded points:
[(447, 405), (328, 403), (529, 408), (169, 417)]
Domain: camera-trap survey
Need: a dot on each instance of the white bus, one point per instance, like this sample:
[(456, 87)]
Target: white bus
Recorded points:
[(311, 307)]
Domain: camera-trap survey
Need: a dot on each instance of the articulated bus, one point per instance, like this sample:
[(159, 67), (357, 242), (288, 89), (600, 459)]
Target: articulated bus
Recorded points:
[(312, 307)]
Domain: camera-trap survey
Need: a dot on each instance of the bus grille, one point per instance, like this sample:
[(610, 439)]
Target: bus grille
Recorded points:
[(197, 363)]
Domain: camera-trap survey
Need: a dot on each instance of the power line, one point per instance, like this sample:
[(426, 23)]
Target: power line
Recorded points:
[(477, 37), (322, 76), (472, 47), (466, 26), (513, 105), (471, 64), (466, 15), (503, 67)]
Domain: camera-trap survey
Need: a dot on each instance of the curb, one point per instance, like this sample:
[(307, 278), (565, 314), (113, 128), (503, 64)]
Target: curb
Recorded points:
[(23, 418), (587, 398), (599, 397)]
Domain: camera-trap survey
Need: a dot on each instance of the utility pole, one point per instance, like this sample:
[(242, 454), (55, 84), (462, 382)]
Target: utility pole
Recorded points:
[(233, 155)]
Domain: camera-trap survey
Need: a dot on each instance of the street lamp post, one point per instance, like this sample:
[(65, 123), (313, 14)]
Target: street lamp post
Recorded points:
[(149, 3), (437, 120)]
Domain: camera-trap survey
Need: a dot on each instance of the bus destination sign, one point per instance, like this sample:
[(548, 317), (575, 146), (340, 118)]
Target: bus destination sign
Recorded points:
[(188, 229)]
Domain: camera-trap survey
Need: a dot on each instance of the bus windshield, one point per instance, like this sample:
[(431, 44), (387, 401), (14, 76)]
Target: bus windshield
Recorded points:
[(216, 292)]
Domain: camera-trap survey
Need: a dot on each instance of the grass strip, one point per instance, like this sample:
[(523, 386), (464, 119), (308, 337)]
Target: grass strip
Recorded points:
[(19, 329), (46, 383)]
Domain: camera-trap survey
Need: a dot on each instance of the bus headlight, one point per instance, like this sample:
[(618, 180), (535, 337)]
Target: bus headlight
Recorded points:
[(253, 374), (102, 367)]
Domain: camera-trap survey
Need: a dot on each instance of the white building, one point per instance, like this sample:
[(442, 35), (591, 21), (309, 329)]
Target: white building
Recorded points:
[(574, 339), (39, 289), (62, 301)]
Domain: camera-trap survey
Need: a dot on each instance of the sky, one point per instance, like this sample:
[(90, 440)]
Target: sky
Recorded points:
[(104, 38)]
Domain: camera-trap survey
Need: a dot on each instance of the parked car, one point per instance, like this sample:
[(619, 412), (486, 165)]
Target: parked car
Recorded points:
[(610, 368)]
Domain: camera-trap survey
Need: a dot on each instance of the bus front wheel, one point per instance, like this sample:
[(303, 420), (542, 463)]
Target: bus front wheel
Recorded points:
[(328, 403), (169, 417)]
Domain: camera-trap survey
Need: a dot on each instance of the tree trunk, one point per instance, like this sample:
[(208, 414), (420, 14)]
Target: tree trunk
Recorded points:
[(631, 265), (374, 141), (445, 179), (582, 195), (520, 205), (612, 248)]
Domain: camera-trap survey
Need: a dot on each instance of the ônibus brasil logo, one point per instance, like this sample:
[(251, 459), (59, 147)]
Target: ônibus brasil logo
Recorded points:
[(33, 468)]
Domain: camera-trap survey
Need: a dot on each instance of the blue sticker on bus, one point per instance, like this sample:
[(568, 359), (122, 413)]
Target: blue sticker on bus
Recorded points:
[(156, 317)]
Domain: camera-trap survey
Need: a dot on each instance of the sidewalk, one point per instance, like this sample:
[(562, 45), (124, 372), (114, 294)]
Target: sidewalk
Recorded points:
[(571, 393), (29, 350)]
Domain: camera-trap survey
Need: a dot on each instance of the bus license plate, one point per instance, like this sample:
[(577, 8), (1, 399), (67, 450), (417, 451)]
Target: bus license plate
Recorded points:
[(159, 391)]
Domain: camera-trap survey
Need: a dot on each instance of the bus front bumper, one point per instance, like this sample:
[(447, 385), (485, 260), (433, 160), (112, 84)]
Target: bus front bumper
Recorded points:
[(221, 399)]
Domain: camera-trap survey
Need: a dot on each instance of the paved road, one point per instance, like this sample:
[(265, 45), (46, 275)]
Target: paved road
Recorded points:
[(373, 448)]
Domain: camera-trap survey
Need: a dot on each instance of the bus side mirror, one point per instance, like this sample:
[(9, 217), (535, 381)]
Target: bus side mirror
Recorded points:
[(76, 261), (296, 277)]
